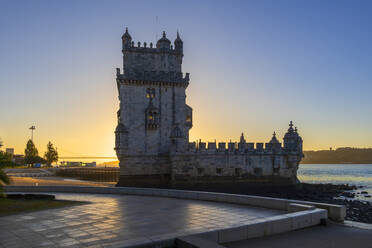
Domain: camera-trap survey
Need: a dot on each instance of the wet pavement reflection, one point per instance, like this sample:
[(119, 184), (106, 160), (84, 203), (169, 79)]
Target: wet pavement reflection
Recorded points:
[(111, 220)]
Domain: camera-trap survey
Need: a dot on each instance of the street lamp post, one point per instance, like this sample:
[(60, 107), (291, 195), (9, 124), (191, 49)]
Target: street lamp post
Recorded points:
[(32, 128)]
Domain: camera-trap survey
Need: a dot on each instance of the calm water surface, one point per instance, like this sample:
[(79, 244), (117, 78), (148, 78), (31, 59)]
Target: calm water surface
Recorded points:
[(352, 174)]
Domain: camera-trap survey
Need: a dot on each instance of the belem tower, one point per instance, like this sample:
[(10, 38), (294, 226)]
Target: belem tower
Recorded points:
[(152, 135)]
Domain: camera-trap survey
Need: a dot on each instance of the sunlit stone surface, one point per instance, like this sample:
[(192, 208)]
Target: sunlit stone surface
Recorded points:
[(111, 220)]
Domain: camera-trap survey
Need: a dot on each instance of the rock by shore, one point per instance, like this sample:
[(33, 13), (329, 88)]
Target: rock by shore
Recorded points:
[(343, 194)]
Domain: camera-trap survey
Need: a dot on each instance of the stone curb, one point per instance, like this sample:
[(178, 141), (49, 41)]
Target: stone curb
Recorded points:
[(335, 212)]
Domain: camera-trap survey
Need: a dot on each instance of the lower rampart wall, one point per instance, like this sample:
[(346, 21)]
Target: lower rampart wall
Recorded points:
[(188, 168), (222, 167)]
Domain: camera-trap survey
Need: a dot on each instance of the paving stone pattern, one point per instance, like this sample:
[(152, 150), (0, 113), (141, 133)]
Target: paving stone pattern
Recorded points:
[(115, 220)]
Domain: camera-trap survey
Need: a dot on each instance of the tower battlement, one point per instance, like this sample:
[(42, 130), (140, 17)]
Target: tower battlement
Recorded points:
[(243, 147), (139, 61), (150, 48)]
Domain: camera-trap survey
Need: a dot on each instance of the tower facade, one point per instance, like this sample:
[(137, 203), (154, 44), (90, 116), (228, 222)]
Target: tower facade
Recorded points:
[(153, 117), (152, 134)]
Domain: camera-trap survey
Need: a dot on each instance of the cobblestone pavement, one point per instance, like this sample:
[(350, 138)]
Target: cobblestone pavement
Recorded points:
[(111, 220)]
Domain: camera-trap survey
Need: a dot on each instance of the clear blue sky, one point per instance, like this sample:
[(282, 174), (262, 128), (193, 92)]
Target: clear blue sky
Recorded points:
[(254, 65)]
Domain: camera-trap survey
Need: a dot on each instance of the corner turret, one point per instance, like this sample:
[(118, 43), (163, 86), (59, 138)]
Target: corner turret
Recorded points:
[(274, 140), (178, 44), (127, 39), (121, 140), (242, 139), (178, 139), (292, 141)]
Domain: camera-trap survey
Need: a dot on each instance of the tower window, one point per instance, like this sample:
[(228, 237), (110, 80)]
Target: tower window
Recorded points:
[(150, 93), (152, 120)]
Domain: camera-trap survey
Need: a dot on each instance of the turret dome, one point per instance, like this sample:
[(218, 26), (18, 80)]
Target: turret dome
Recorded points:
[(291, 132), (178, 43), (274, 140), (126, 35), (178, 39), (163, 42), (126, 40)]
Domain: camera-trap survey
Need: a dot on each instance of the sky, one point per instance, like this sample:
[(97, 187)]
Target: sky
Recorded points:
[(254, 66)]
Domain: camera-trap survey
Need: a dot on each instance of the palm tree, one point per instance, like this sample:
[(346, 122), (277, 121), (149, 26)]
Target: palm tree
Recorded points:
[(4, 179), (4, 161)]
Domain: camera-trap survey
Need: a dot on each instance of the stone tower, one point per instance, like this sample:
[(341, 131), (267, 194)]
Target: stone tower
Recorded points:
[(152, 134), (153, 117)]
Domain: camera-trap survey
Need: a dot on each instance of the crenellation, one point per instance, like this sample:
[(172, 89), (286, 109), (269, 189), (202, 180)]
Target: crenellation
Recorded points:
[(242, 147), (231, 147), (212, 147), (152, 134), (259, 147), (202, 147), (250, 147), (221, 146), (192, 147)]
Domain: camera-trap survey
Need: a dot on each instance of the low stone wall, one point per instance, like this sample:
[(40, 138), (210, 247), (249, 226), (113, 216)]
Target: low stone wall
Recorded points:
[(155, 180), (94, 174), (335, 212)]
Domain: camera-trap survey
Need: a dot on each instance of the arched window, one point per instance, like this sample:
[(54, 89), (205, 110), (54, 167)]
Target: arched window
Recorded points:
[(152, 119), (150, 93)]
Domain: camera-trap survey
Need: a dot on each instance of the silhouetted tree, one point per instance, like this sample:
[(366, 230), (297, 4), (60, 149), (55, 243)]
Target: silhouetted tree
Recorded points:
[(31, 150), (51, 155), (5, 159), (31, 154)]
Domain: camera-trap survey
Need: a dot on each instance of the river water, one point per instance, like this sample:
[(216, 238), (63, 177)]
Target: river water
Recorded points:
[(352, 174)]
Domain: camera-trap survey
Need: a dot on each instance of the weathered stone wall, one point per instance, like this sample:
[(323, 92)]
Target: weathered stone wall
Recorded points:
[(144, 165), (215, 165), (139, 59), (169, 104)]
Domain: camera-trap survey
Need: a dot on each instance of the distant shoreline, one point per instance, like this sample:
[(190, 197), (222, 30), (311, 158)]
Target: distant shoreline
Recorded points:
[(345, 155)]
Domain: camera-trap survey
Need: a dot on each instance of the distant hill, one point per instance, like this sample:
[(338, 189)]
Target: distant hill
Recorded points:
[(344, 155)]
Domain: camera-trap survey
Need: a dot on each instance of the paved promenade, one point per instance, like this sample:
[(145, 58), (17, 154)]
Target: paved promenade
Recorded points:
[(114, 220)]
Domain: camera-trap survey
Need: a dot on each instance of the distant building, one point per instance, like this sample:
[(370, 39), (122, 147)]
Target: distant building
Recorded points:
[(9, 151), (19, 159), (91, 164), (71, 163), (152, 135)]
